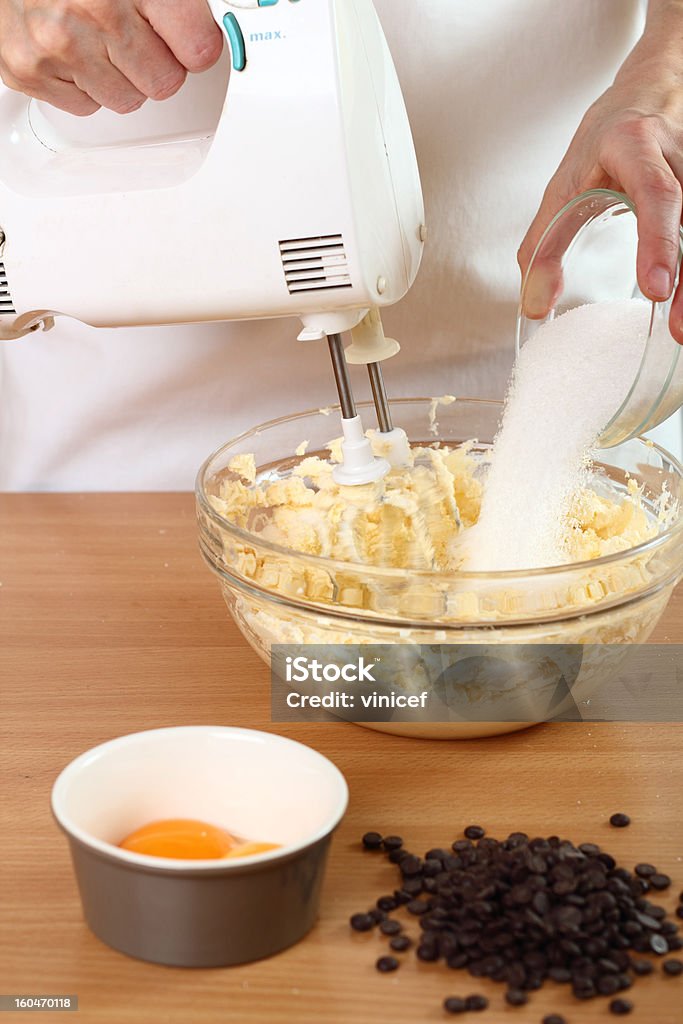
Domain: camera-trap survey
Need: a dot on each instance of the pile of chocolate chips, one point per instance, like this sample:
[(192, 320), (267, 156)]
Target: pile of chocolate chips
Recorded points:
[(523, 910)]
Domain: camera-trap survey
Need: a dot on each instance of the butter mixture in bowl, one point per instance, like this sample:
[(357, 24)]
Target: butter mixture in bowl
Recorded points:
[(304, 561)]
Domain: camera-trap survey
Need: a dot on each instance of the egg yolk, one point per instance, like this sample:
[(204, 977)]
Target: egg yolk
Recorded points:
[(189, 839), (248, 849), (183, 838)]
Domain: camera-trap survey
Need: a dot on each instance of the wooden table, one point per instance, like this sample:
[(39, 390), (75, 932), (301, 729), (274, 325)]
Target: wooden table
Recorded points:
[(110, 623)]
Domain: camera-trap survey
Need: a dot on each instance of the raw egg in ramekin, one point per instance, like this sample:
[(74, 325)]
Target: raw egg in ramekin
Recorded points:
[(201, 912)]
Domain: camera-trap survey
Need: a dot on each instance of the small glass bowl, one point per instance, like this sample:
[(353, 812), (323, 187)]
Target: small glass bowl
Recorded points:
[(279, 596), (588, 254)]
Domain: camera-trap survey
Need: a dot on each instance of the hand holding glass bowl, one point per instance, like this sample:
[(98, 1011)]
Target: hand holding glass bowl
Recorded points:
[(588, 254)]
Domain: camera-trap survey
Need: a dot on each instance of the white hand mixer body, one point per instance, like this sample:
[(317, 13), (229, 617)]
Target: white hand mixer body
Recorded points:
[(305, 201)]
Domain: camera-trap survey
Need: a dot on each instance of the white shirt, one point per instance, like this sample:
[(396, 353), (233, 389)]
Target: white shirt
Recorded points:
[(495, 91)]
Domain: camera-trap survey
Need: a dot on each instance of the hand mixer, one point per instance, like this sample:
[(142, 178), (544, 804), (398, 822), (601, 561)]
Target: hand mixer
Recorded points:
[(305, 201)]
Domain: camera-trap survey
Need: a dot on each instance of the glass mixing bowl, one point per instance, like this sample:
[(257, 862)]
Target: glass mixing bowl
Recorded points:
[(278, 596), (588, 254)]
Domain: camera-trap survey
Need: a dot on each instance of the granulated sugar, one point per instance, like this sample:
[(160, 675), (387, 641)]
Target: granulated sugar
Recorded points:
[(569, 380)]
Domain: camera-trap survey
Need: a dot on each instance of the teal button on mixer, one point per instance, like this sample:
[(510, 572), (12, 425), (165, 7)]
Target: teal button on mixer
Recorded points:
[(267, 3), (236, 39)]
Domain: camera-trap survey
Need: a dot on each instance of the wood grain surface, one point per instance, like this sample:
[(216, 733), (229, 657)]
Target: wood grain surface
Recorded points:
[(111, 623)]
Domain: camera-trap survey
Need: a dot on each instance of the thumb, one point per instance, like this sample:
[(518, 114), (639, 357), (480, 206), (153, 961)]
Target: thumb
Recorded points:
[(543, 284)]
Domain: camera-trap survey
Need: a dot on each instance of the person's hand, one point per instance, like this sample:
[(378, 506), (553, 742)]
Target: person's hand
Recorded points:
[(81, 55), (630, 140)]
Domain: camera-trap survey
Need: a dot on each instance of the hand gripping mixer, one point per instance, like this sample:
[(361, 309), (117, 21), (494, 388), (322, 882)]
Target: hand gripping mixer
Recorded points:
[(304, 201)]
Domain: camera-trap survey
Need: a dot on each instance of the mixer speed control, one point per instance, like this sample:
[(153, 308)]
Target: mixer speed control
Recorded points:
[(236, 40)]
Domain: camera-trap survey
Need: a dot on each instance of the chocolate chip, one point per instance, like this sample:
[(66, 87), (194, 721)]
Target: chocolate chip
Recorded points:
[(564, 887), (390, 927), (525, 910), (410, 865), (647, 921), (553, 1018), (431, 867), (620, 820), (387, 963), (608, 985), (521, 894), (583, 988), (516, 997), (642, 967), (362, 922), (541, 902), (461, 845), (561, 974), (658, 944), (476, 1002), (620, 1007), (679, 911), (454, 1004), (568, 919), (392, 843), (660, 882), (372, 841), (596, 947), (673, 967)]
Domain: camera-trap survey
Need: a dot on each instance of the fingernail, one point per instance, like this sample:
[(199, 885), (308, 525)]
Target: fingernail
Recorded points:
[(659, 283), (540, 295)]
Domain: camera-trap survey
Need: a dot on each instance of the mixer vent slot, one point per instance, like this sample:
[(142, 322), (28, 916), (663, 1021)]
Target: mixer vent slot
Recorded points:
[(314, 264), (6, 305)]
